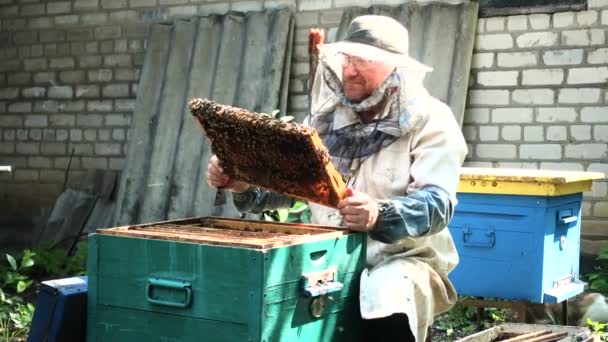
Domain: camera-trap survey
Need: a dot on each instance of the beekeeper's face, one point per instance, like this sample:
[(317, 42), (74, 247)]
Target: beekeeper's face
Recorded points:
[(360, 77)]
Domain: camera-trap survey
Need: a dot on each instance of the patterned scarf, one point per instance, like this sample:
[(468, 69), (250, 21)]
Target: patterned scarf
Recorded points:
[(349, 146)]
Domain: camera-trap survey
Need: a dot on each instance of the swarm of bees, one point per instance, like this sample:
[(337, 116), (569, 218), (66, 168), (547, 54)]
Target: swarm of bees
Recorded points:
[(283, 157)]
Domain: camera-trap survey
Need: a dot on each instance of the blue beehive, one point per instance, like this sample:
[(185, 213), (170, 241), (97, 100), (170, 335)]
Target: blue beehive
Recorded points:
[(517, 233), (61, 311)]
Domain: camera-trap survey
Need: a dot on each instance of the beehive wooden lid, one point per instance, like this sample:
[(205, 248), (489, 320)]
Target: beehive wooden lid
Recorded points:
[(525, 181), (228, 232), (287, 158)]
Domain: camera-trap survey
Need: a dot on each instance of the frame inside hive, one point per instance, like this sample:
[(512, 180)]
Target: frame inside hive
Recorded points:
[(287, 158), (228, 232)]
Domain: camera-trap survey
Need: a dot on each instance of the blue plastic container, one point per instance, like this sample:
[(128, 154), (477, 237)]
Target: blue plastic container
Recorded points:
[(61, 311)]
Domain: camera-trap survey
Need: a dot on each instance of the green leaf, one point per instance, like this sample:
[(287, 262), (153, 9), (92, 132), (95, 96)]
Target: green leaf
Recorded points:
[(22, 285), (275, 113), (287, 118), (12, 262), (298, 207), (283, 213), (2, 296)]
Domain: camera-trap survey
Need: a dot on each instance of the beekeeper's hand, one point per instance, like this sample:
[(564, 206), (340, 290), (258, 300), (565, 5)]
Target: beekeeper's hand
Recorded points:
[(359, 210), (217, 178)]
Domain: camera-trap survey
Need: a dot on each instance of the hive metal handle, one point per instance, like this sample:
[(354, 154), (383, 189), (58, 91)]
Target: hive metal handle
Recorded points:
[(177, 285)]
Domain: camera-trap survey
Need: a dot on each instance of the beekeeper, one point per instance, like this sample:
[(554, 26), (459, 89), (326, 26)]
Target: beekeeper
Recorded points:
[(400, 150)]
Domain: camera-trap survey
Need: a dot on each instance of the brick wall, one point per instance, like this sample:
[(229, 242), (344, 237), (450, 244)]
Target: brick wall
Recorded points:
[(538, 95), (69, 72)]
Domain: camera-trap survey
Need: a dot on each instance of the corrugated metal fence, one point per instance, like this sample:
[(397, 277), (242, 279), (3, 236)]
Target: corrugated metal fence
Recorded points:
[(238, 59), (441, 35)]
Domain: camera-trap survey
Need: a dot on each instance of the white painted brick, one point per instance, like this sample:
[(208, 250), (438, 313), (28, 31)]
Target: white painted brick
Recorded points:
[(273, 4), (586, 151), (103, 134), (495, 24), (597, 3), (476, 115), (75, 135), (488, 133), (481, 25), (588, 75), (66, 19), (580, 132), (517, 23), (497, 78), (512, 115), (594, 114), (469, 132), (586, 18), (511, 133), (579, 95), (185, 11), (247, 6), (540, 151), (107, 149), (561, 166), (58, 120), (533, 96), (85, 5), (600, 209), (556, 114), (598, 190), (34, 92), (60, 92), (20, 107), (99, 106), (493, 41), (36, 121), (583, 37), (517, 59), (563, 19), (540, 21), (534, 133), (563, 57), (307, 19), (598, 167), (496, 151), (58, 7), (542, 76), (8, 93), (600, 133), (217, 8), (312, 5), (298, 101), (488, 97), (599, 56), (482, 60), (537, 39), (94, 18), (517, 165), (477, 164), (605, 17), (557, 133), (587, 209)]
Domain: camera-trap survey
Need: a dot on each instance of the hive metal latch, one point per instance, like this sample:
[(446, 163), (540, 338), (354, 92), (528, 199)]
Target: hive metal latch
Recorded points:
[(321, 283)]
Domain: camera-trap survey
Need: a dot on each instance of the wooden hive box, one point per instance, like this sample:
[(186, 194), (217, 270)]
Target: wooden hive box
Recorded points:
[(518, 232), (212, 279)]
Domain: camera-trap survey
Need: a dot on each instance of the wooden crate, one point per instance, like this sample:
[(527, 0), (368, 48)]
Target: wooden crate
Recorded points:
[(531, 332), (217, 279)]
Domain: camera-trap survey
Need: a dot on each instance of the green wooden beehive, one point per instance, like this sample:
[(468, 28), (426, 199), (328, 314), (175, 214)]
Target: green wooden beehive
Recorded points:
[(212, 279)]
